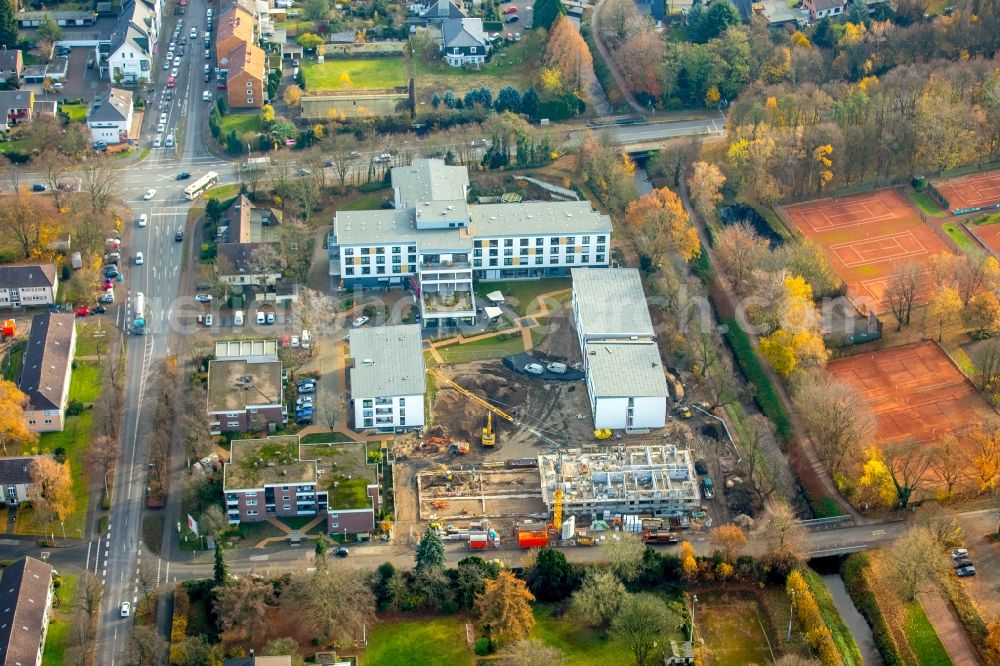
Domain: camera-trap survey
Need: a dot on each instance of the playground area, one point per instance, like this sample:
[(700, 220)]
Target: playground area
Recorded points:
[(976, 191), (915, 392), (866, 236)]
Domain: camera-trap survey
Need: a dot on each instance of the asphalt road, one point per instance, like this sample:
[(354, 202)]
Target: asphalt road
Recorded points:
[(120, 550)]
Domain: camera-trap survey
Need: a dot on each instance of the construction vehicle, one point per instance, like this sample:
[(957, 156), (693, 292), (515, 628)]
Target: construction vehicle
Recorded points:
[(489, 437), (9, 328), (459, 448), (585, 540), (658, 536), (602, 433)]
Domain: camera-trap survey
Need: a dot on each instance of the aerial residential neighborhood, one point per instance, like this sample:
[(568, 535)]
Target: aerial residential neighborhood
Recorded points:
[(499, 332)]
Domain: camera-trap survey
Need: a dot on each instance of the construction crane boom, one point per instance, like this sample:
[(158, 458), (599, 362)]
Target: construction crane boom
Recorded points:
[(471, 396)]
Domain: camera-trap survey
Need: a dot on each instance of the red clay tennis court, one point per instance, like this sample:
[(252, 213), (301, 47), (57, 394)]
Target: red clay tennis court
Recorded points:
[(916, 392), (978, 190), (866, 236)]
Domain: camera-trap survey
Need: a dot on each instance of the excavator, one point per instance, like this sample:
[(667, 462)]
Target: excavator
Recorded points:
[(489, 437)]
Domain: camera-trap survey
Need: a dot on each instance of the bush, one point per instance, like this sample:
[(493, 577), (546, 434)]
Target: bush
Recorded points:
[(763, 390), (816, 632), (74, 408), (482, 646), (853, 571), (178, 625)]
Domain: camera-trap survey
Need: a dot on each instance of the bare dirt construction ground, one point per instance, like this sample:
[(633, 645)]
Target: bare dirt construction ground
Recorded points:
[(497, 494), (555, 337)]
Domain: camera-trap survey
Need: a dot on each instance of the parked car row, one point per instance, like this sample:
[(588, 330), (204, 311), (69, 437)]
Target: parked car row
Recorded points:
[(305, 394), (962, 563)]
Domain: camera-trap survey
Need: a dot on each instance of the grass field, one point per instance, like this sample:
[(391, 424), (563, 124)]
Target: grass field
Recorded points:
[(964, 243), (360, 74), (57, 638), (90, 334), (479, 350), (580, 647), (86, 383), (431, 642), (923, 639), (75, 112), (368, 200), (923, 201), (522, 295), (241, 122), (222, 192)]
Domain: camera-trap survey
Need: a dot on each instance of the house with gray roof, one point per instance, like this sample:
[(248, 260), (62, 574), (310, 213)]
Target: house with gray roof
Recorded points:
[(15, 479), (442, 10), (25, 602), (110, 116), (27, 285), (46, 369), (626, 379), (819, 8), (387, 378), (437, 243), (11, 64), (244, 395), (463, 42), (132, 41)]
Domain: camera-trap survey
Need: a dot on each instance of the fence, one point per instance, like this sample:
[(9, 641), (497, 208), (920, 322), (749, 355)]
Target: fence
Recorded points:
[(937, 196)]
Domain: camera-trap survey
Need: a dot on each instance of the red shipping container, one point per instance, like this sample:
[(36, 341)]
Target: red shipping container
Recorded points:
[(477, 542)]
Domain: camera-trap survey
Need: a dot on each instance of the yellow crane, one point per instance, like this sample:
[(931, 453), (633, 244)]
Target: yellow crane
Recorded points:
[(557, 501), (489, 437)]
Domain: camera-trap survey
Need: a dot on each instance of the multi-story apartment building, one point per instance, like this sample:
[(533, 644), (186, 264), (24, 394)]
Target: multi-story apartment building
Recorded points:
[(28, 285), (387, 378), (46, 369), (436, 243), (25, 603), (244, 395), (626, 380), (15, 479), (266, 477)]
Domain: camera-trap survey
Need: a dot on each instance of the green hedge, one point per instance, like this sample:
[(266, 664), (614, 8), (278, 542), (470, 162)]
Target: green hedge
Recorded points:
[(763, 390), (842, 638), (853, 572), (702, 267)]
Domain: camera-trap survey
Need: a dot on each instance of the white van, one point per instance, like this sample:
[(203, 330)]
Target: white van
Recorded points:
[(238, 318), (261, 318), (557, 368), (170, 141), (305, 339)]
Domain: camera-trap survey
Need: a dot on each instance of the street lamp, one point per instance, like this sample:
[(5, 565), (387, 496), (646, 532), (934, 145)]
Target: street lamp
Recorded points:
[(107, 493), (791, 615), (694, 600)]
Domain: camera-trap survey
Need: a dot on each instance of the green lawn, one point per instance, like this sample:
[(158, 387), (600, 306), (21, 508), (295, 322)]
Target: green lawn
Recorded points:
[(12, 362), (75, 112), (522, 295), (429, 642), (86, 382), (923, 639), (241, 122), (479, 350), (962, 240), (57, 638), (222, 192), (924, 202), (93, 336), (368, 200), (361, 74), (988, 219), (580, 645), (848, 649)]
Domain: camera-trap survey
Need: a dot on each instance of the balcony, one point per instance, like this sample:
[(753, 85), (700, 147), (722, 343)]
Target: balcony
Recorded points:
[(448, 301)]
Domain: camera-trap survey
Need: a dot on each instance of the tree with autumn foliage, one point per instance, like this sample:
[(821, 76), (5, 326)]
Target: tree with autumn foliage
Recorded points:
[(568, 53), (504, 608), (640, 60), (837, 418), (689, 565), (821, 163), (705, 186), (607, 170), (53, 487), (943, 310), (660, 224), (14, 433), (728, 539)]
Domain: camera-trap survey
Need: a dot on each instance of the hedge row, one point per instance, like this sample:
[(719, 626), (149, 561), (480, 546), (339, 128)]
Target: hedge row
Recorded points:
[(764, 393), (968, 614), (841, 634), (815, 629), (179, 622), (853, 571)]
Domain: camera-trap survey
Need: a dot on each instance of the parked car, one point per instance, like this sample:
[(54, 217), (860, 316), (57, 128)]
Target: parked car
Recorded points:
[(534, 369), (203, 298), (966, 571), (959, 552), (700, 467), (557, 368), (304, 400), (308, 388), (270, 318), (512, 19), (108, 284), (82, 311), (295, 341), (304, 422), (342, 552), (261, 318), (961, 562), (359, 322), (107, 297), (100, 309), (38, 187), (150, 193)]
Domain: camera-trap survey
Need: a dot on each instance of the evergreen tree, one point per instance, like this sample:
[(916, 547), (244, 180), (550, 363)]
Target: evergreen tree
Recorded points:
[(551, 578), (8, 25), (430, 551), (714, 20), (322, 547), (435, 100), (529, 103), (546, 13), (221, 569)]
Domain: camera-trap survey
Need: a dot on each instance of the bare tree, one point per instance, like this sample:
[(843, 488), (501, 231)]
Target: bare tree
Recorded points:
[(341, 159), (908, 464), (295, 247), (53, 168), (740, 251), (836, 416), (279, 171), (242, 604), (915, 561), (147, 582), (102, 456), (530, 652), (624, 552), (198, 441), (948, 463), (13, 171), (316, 312), (89, 594), (330, 410), (988, 363), (146, 647), (21, 218), (758, 432), (102, 181), (786, 537), (905, 283), (675, 158), (332, 602)]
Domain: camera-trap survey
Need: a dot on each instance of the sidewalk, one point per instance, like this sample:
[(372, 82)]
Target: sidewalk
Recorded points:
[(956, 642)]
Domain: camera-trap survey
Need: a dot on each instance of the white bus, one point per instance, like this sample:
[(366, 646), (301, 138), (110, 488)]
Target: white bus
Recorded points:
[(197, 187)]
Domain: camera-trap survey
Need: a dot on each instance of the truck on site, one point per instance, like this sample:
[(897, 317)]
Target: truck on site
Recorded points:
[(532, 538), (658, 536), (76, 260), (139, 314), (707, 488)]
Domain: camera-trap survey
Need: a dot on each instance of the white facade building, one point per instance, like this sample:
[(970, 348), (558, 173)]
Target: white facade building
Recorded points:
[(436, 243), (111, 116), (28, 285), (387, 378), (626, 380)]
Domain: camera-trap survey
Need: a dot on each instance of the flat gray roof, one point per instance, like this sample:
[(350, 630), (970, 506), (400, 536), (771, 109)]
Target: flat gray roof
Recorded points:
[(537, 218), (383, 227), (430, 180), (388, 361), (234, 385), (611, 303), (626, 369)]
